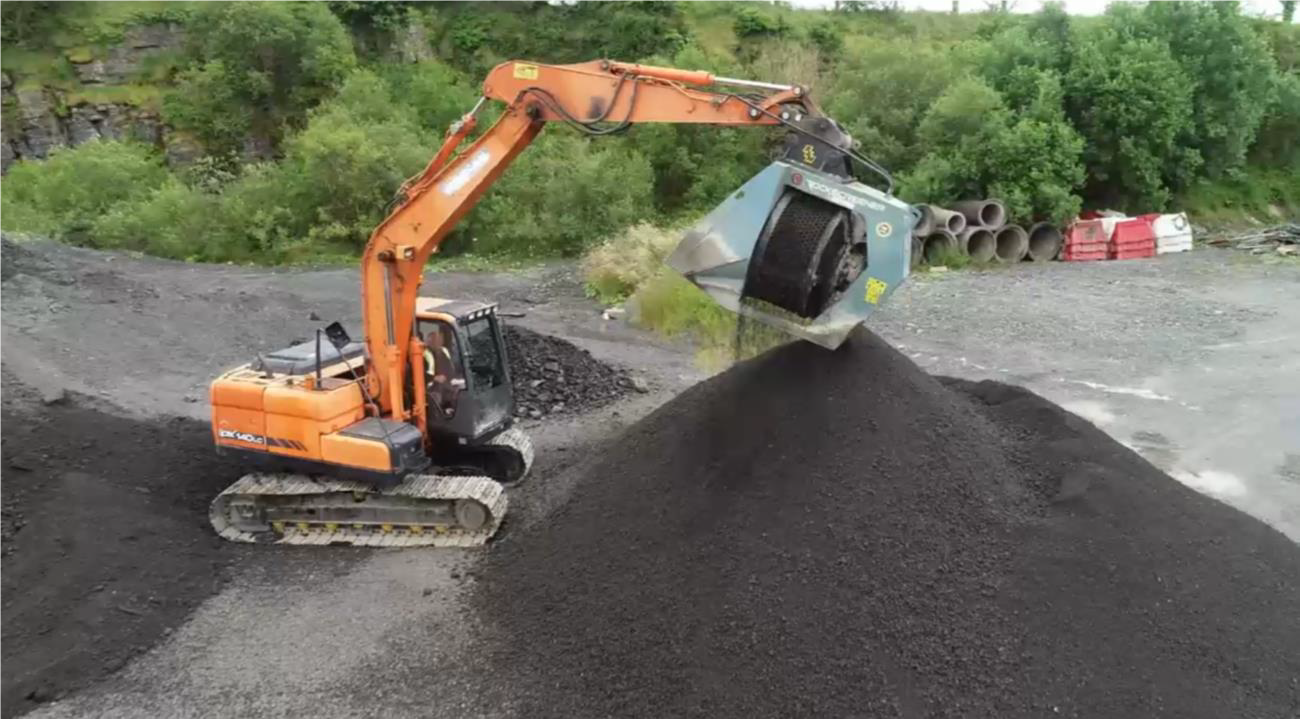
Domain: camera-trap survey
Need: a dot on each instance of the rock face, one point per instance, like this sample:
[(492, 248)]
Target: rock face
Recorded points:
[(39, 119), (124, 62), (411, 44)]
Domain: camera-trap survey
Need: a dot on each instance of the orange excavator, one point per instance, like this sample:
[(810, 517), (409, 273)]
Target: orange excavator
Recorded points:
[(407, 438)]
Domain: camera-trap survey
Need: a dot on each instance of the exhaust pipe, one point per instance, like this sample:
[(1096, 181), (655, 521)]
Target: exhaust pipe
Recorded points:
[(986, 213), (1012, 243), (978, 243), (1045, 242)]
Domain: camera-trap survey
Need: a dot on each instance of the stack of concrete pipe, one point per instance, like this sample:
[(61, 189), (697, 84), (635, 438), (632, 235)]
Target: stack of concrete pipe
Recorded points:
[(979, 230)]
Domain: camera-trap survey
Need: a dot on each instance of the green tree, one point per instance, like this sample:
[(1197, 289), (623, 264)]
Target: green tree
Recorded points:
[(977, 147), (438, 94), (528, 213), (881, 91), (1133, 103), (370, 16), (21, 22), (1232, 70), (635, 30), (257, 68)]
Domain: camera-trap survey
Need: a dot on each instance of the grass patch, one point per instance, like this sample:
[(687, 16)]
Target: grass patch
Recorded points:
[(614, 269), (950, 257), (37, 68), (470, 262), (673, 307), (139, 95), (1269, 196)]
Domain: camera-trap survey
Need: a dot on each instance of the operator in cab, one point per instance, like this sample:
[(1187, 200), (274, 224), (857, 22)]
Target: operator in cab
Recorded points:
[(439, 370)]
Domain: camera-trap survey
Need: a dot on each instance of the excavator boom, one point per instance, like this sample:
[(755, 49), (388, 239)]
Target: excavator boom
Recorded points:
[(598, 97)]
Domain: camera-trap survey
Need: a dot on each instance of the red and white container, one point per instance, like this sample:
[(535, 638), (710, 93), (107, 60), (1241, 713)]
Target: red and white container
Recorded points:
[(1173, 233), (1131, 239), (1085, 240)]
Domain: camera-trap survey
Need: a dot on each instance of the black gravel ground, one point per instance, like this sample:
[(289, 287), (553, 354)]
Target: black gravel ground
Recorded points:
[(553, 376), (840, 534), (106, 540)]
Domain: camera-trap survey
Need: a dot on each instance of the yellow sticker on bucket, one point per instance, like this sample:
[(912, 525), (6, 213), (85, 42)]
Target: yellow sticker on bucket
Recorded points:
[(875, 288), (524, 71)]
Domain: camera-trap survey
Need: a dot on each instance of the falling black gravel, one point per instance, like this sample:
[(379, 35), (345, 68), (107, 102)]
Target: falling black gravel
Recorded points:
[(551, 375), (106, 540), (840, 534)]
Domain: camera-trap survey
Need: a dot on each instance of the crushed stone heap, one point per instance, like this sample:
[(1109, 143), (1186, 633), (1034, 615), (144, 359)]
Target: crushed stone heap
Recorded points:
[(551, 375), (840, 534)]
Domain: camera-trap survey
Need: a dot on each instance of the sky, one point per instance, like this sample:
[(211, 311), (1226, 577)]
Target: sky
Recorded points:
[(1272, 8)]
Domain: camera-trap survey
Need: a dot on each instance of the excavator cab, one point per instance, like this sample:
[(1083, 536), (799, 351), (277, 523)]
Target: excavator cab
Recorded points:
[(467, 388)]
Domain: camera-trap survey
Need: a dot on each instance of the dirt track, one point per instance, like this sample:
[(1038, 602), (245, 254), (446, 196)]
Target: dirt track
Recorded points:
[(347, 634)]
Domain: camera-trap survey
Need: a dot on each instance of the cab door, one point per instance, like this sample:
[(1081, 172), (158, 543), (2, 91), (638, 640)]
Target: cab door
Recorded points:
[(487, 373)]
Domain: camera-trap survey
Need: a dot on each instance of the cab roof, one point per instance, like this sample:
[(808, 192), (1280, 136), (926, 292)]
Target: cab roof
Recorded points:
[(462, 310)]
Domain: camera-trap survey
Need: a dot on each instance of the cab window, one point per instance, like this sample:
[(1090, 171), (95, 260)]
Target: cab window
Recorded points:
[(484, 355), (448, 340)]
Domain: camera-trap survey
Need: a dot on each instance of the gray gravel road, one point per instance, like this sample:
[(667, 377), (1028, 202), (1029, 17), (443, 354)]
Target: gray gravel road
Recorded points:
[(1190, 359)]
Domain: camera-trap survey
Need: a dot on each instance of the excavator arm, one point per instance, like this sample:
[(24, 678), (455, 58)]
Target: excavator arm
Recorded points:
[(598, 97)]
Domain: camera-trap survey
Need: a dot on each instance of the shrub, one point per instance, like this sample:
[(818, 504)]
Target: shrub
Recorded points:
[(978, 148), (65, 194), (752, 23), (269, 62), (614, 269), (1230, 66), (562, 196), (672, 306), (173, 221), (881, 92), (437, 94), (375, 16), (1279, 136), (1133, 103), (342, 170), (827, 39)]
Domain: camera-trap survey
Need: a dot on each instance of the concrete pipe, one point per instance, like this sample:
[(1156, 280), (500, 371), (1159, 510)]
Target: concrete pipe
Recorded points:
[(918, 252), (1012, 243), (953, 222), (985, 213), (925, 225), (1045, 242), (937, 245), (979, 243)]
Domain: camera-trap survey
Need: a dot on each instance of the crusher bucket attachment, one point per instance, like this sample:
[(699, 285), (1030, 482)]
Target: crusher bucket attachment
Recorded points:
[(809, 252)]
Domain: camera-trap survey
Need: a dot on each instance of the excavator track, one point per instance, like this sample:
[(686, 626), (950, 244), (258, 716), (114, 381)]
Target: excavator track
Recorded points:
[(516, 443), (421, 511)]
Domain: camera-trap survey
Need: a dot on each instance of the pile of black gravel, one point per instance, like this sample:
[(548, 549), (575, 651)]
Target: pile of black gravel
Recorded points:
[(105, 539), (551, 375), (840, 534)]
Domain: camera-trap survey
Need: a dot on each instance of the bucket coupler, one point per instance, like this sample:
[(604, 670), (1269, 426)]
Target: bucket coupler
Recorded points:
[(805, 251)]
